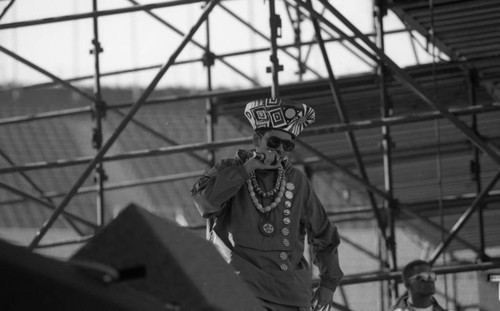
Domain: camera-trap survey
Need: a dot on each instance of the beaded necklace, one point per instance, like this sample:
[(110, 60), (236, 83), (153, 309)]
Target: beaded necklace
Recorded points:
[(254, 190), (271, 193)]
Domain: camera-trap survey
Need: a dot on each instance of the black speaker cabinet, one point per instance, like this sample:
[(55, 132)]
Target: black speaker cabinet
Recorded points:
[(29, 281), (181, 269)]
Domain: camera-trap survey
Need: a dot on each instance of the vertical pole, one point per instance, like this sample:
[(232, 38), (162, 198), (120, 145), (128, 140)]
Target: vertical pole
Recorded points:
[(209, 118), (208, 62), (274, 21), (382, 252), (98, 112), (298, 41), (386, 111), (476, 167)]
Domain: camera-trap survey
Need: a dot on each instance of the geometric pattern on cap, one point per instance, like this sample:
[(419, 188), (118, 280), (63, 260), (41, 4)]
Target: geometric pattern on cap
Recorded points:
[(279, 114)]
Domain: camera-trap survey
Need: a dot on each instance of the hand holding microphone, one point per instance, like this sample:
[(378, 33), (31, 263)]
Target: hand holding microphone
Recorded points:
[(269, 157), (262, 160), (251, 154)]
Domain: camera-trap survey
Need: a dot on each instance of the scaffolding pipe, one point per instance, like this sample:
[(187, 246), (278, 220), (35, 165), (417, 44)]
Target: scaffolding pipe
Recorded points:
[(280, 47), (6, 8), (344, 118), (398, 120), (46, 73), (45, 115), (318, 130), (274, 23), (332, 39), (118, 186), (176, 30), (219, 57), (396, 275), (361, 248), (98, 112), (209, 121), (380, 7), (129, 155), (463, 219), (82, 78), (121, 126), (452, 148), (45, 204), (66, 18), (195, 174), (341, 168), (437, 227), (156, 134), (181, 176), (297, 38), (406, 80), (40, 191), (476, 168)]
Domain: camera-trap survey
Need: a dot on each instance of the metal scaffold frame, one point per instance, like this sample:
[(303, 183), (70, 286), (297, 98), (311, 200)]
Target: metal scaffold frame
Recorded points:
[(365, 46)]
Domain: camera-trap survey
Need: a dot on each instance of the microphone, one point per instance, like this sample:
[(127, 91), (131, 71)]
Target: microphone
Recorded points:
[(251, 154)]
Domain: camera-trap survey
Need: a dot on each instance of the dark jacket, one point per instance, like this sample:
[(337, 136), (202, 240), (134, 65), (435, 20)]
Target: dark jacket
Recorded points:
[(273, 266)]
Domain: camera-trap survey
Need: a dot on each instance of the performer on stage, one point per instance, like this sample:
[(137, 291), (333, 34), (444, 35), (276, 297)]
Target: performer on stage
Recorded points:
[(263, 207)]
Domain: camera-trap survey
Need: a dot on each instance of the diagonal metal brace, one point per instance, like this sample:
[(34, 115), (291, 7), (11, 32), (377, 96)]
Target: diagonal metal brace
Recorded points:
[(461, 222), (133, 110)]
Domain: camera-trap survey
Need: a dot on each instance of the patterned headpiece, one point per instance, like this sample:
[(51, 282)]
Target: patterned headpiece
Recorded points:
[(279, 114)]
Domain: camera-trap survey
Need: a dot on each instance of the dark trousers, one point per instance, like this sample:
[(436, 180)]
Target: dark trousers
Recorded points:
[(271, 306)]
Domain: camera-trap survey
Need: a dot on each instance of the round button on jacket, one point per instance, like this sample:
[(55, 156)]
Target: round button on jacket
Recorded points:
[(283, 256)]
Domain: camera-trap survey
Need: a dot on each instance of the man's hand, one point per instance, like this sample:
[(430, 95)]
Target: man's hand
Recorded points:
[(253, 164), (322, 299)]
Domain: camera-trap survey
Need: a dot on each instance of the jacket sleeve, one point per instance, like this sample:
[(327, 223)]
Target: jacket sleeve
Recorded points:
[(324, 240), (217, 186)]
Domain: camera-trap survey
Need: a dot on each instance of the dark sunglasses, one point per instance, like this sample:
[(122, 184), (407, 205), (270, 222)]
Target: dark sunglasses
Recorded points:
[(274, 143), (424, 277)]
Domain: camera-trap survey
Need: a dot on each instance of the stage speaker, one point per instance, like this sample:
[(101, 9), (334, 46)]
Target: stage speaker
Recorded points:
[(181, 269), (29, 281)]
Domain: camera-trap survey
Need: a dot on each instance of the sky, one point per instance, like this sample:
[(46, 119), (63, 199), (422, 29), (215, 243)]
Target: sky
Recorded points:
[(135, 40)]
